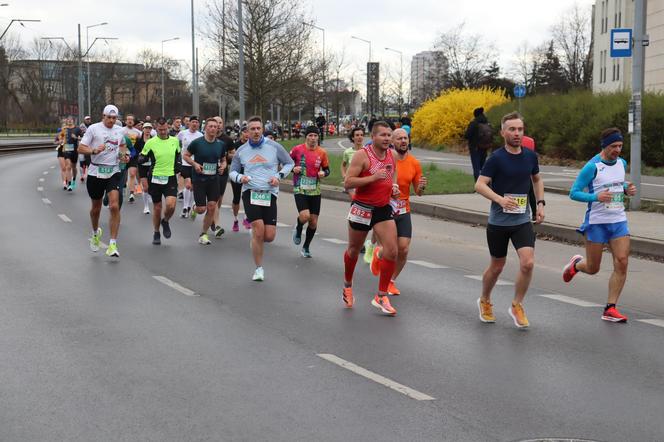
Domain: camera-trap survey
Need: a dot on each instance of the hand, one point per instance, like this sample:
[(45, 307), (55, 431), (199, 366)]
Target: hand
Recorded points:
[(395, 190), (422, 184), (539, 215), (124, 157), (100, 149), (274, 181), (245, 179), (221, 168), (198, 168), (321, 174), (509, 204), (297, 170), (380, 174), (631, 189), (604, 196)]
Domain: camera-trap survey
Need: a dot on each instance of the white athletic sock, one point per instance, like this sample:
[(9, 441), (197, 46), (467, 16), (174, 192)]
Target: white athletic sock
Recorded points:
[(185, 198), (190, 198)]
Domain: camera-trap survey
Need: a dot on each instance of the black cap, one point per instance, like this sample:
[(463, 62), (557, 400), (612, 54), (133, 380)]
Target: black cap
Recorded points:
[(479, 111), (193, 118), (311, 130)]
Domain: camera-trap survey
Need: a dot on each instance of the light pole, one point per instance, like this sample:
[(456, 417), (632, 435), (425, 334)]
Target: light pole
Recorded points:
[(240, 43), (400, 77), (194, 68), (370, 107), (324, 70), (163, 90), (87, 44), (20, 20), (366, 41)]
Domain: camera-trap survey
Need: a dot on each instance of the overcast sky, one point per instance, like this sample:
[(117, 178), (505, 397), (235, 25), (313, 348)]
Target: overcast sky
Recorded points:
[(407, 26)]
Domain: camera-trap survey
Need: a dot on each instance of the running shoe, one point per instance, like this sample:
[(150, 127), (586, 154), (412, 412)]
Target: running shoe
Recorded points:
[(131, 197), (612, 314), (305, 252), (570, 269), (218, 232), (347, 296), (297, 239), (183, 214), (73, 184), (486, 311), (375, 261), (64, 185), (156, 238), (368, 251), (70, 188), (518, 315), (180, 196), (246, 223), (204, 240), (392, 289), (259, 274), (146, 211), (95, 240), (236, 226), (192, 214), (383, 303), (166, 228), (113, 250)]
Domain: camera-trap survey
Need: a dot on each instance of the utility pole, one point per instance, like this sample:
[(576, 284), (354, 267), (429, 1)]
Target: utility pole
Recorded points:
[(194, 68), (163, 83), (641, 40), (80, 77), (240, 37)]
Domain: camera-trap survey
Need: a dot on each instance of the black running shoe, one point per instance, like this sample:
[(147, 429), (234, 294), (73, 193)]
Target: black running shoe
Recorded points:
[(166, 228), (156, 238)]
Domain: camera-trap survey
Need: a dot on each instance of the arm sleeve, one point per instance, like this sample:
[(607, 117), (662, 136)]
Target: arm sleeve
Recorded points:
[(285, 159), (489, 168), (535, 170), (582, 182)]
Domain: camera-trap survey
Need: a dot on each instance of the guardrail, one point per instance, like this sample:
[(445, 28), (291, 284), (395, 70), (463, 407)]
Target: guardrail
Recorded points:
[(25, 147)]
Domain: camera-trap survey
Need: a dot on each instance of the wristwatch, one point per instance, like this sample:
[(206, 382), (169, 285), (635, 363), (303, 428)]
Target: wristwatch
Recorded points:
[(542, 201)]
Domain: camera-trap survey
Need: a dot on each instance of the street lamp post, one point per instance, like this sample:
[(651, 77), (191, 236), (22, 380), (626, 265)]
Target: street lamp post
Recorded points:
[(324, 71), (194, 68), (240, 43), (400, 77), (163, 86), (87, 44), (20, 20), (366, 41), (370, 108)]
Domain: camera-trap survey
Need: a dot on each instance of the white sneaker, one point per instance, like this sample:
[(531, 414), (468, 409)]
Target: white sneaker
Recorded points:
[(146, 211), (259, 274), (204, 240)]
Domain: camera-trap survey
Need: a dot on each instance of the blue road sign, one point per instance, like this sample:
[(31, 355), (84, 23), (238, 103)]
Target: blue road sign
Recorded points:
[(621, 43), (519, 91)]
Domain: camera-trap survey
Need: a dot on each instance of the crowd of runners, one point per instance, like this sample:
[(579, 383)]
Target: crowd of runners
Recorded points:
[(166, 160)]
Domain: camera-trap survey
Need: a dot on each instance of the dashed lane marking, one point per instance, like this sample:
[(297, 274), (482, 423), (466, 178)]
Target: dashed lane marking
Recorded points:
[(479, 278), (570, 300), (282, 225), (52, 167), (426, 264), (46, 201), (225, 206), (335, 241), (174, 285), (40, 189), (45, 172), (41, 180), (64, 217), (657, 322), (414, 394)]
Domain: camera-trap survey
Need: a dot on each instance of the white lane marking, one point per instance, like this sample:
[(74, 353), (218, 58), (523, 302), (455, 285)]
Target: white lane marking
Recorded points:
[(174, 285), (335, 241), (40, 189), (653, 185), (225, 206), (657, 322), (282, 225), (46, 201), (45, 172), (41, 180), (52, 167), (339, 143), (426, 264), (479, 278), (64, 217), (414, 394), (570, 300)]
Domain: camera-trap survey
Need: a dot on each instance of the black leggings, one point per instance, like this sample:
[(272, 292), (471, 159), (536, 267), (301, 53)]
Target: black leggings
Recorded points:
[(237, 192)]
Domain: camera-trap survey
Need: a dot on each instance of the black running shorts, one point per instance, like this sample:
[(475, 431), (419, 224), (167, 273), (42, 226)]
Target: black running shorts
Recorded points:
[(185, 171), (308, 202), (206, 191), (498, 238), (157, 191), (379, 215), (223, 181), (255, 213), (144, 171), (97, 186), (404, 225)]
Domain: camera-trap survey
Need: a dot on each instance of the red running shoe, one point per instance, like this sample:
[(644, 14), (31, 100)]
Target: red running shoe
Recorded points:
[(570, 270), (612, 314), (383, 303), (348, 297)]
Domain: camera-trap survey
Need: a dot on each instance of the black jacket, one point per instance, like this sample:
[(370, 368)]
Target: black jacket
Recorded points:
[(471, 132)]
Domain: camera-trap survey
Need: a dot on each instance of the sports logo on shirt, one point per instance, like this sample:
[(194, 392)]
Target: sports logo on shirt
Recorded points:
[(258, 159)]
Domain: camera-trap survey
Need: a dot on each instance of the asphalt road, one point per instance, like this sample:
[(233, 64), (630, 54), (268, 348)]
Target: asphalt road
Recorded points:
[(100, 349)]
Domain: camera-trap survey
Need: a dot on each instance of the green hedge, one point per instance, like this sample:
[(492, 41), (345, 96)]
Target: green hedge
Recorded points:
[(568, 126)]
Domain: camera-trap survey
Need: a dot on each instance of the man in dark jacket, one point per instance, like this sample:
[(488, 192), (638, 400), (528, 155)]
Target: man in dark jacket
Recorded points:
[(479, 137), (320, 123)]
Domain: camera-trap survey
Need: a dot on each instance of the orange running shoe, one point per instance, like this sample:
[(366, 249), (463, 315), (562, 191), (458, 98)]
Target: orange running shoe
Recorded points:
[(375, 261), (138, 189), (383, 303), (612, 314), (348, 297), (392, 289), (518, 315)]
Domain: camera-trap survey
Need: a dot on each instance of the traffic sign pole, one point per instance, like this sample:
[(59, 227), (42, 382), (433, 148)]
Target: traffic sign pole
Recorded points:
[(638, 74)]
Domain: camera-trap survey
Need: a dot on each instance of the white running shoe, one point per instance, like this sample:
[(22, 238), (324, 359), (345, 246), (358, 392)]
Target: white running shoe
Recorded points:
[(259, 274)]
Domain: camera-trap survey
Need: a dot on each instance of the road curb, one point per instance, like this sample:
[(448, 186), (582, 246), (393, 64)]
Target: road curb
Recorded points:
[(639, 245)]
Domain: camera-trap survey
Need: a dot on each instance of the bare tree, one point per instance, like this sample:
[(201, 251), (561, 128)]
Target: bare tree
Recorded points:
[(572, 38)]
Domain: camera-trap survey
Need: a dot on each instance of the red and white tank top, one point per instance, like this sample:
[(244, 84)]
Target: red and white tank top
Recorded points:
[(377, 193)]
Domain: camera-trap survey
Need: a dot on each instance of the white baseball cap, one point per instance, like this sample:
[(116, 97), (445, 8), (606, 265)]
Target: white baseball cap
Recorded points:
[(111, 111)]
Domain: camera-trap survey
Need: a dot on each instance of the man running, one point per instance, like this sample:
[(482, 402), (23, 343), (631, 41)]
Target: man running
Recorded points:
[(106, 143), (176, 127), (163, 153), (505, 180), (207, 157), (133, 134), (186, 137), (373, 176), (260, 158), (144, 168), (227, 144), (409, 174), (311, 164), (237, 187), (605, 221), (356, 136)]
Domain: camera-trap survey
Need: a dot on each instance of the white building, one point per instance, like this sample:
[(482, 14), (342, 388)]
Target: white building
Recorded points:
[(428, 71), (615, 74)]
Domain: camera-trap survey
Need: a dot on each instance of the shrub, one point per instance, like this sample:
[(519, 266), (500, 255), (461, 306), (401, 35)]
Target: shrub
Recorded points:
[(443, 120)]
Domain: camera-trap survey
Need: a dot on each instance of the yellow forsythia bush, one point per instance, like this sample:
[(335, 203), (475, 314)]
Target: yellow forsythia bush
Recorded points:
[(443, 120)]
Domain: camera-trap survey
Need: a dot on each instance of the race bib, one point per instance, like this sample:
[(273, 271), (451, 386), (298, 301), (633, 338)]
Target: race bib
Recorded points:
[(105, 172), (159, 179), (360, 214), (69, 147), (308, 183), (617, 198), (398, 207), (521, 200), (261, 198), (209, 168)]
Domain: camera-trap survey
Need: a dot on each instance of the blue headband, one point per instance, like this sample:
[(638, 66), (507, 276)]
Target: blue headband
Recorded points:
[(607, 141)]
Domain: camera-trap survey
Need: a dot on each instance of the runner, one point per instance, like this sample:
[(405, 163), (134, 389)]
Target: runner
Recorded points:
[(69, 137), (186, 137), (176, 127), (356, 136), (372, 174), (208, 157), (605, 221), (105, 142), (163, 153), (133, 134), (312, 164), (144, 169), (505, 180), (237, 187), (409, 174), (260, 158), (227, 143)]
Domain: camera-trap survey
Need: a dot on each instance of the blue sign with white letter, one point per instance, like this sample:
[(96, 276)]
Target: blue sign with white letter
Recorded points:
[(621, 43), (519, 91)]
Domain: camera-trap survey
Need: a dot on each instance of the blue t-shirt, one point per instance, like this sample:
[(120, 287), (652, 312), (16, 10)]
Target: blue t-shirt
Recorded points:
[(510, 174)]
